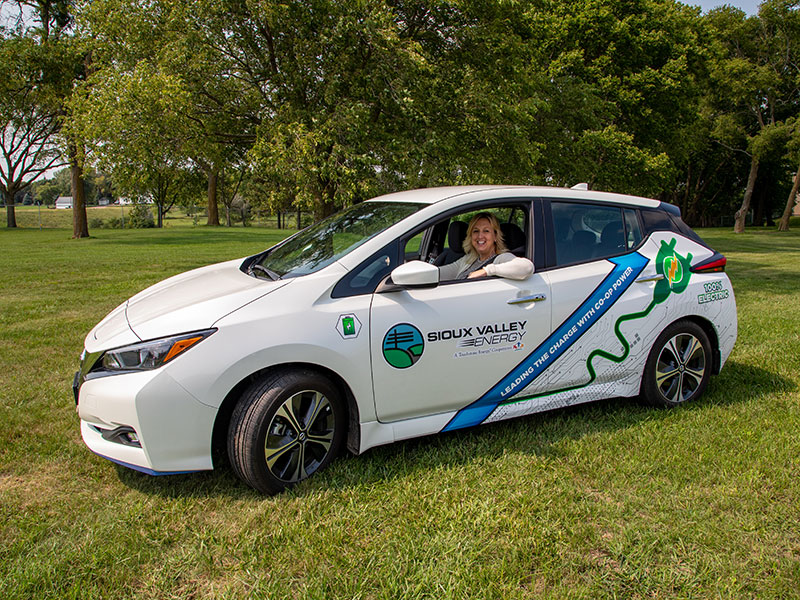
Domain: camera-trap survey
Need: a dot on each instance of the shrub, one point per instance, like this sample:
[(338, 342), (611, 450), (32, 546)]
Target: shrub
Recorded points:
[(140, 217)]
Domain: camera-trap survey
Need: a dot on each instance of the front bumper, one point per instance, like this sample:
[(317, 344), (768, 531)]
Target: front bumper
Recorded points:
[(171, 430)]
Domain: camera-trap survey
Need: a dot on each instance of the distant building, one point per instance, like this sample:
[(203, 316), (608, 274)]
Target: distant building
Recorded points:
[(64, 202)]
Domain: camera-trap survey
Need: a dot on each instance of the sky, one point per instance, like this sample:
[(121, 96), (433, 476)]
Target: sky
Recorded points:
[(748, 6)]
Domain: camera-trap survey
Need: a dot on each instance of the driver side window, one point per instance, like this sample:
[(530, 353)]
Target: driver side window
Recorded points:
[(443, 243)]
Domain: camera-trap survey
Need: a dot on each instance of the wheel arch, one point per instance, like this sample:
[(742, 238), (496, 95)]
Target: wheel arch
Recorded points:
[(220, 431), (709, 329), (648, 380)]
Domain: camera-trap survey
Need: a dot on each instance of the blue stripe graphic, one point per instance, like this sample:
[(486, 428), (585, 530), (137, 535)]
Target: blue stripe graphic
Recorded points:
[(626, 269)]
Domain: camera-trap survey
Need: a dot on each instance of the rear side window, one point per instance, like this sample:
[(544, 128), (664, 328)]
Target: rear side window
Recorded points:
[(633, 233), (584, 232)]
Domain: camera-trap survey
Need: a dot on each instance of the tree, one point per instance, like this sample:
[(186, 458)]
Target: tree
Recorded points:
[(793, 127), (331, 80), (629, 71), (46, 26), (28, 118), (132, 123), (754, 78), (326, 103), (217, 112)]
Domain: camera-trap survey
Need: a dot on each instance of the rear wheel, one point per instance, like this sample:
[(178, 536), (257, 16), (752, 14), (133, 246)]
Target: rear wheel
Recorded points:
[(285, 428), (679, 365)]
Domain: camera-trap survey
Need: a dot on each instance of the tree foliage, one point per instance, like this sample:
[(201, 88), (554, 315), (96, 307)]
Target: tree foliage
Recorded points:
[(318, 104), (29, 115), (754, 79)]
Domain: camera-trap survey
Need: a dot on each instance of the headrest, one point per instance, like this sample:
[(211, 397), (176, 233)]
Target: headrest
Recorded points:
[(455, 236), (584, 238), (612, 235), (512, 236)]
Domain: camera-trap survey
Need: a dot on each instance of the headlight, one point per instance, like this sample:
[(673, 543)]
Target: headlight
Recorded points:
[(152, 354)]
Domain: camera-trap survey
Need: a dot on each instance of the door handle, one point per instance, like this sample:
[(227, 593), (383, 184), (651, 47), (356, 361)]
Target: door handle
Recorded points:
[(526, 299), (658, 277)]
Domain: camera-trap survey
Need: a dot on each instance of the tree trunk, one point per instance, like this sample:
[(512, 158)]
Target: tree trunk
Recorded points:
[(11, 216), (783, 225), (758, 205), (741, 214), (323, 207), (213, 210), (80, 224)]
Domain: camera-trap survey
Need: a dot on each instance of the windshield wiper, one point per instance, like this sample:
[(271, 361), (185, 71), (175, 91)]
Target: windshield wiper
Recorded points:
[(262, 269)]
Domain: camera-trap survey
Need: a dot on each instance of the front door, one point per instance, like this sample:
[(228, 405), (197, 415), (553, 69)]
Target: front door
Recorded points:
[(440, 349)]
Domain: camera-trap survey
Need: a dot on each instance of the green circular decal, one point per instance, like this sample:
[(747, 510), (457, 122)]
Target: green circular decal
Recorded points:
[(403, 346)]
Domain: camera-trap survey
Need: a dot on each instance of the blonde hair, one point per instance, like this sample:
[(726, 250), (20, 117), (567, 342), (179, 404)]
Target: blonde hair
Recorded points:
[(500, 244)]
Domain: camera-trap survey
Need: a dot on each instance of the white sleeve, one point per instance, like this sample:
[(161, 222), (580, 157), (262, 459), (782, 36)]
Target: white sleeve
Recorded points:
[(509, 266)]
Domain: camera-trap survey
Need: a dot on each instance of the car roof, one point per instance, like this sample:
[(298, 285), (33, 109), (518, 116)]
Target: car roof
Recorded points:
[(470, 192)]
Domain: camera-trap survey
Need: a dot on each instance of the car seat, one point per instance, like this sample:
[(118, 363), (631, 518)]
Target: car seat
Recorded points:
[(612, 240), (514, 238), (582, 247), (456, 233)]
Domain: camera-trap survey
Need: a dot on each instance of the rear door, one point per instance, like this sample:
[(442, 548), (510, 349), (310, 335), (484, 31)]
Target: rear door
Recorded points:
[(593, 268)]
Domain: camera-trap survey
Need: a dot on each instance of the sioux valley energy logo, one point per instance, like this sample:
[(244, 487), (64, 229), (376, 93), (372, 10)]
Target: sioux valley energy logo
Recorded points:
[(403, 346)]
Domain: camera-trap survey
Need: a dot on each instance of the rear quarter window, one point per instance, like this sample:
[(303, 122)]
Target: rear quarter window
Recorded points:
[(659, 220), (688, 231)]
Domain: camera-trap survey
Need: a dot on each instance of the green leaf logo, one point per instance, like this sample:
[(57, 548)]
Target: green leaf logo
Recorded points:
[(674, 268)]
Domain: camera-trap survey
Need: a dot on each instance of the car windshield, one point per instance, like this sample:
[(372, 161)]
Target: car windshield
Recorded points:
[(321, 244)]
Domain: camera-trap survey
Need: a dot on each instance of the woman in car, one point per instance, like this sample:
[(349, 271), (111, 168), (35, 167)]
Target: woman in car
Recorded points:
[(486, 254)]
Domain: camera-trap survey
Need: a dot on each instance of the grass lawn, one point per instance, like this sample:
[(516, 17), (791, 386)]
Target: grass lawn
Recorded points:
[(605, 500), (34, 217)]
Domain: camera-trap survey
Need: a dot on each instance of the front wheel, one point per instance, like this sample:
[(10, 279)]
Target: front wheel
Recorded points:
[(286, 427), (679, 365)]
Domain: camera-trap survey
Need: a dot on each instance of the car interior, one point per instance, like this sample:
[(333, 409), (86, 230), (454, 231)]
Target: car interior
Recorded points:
[(584, 232), (442, 243)]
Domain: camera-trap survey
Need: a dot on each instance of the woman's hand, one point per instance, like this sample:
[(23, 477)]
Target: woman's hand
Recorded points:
[(478, 273)]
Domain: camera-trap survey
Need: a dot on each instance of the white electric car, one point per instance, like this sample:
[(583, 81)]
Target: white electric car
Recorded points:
[(344, 335)]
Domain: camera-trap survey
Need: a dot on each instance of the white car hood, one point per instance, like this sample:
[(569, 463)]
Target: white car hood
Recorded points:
[(186, 302)]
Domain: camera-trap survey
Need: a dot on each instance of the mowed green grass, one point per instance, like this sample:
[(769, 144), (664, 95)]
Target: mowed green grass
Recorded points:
[(605, 500), (34, 217)]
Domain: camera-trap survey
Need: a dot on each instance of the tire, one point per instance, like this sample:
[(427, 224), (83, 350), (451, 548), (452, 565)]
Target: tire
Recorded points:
[(678, 367), (286, 427)]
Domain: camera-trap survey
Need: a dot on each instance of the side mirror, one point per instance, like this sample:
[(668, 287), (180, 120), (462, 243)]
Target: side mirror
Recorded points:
[(416, 274)]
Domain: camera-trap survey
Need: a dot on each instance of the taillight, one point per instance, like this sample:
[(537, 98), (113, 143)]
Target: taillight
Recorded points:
[(713, 264)]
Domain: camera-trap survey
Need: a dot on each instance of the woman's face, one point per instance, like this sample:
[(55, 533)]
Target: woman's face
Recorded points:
[(483, 238)]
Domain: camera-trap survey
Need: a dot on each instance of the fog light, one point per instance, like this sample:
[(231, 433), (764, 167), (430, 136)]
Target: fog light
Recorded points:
[(122, 435)]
